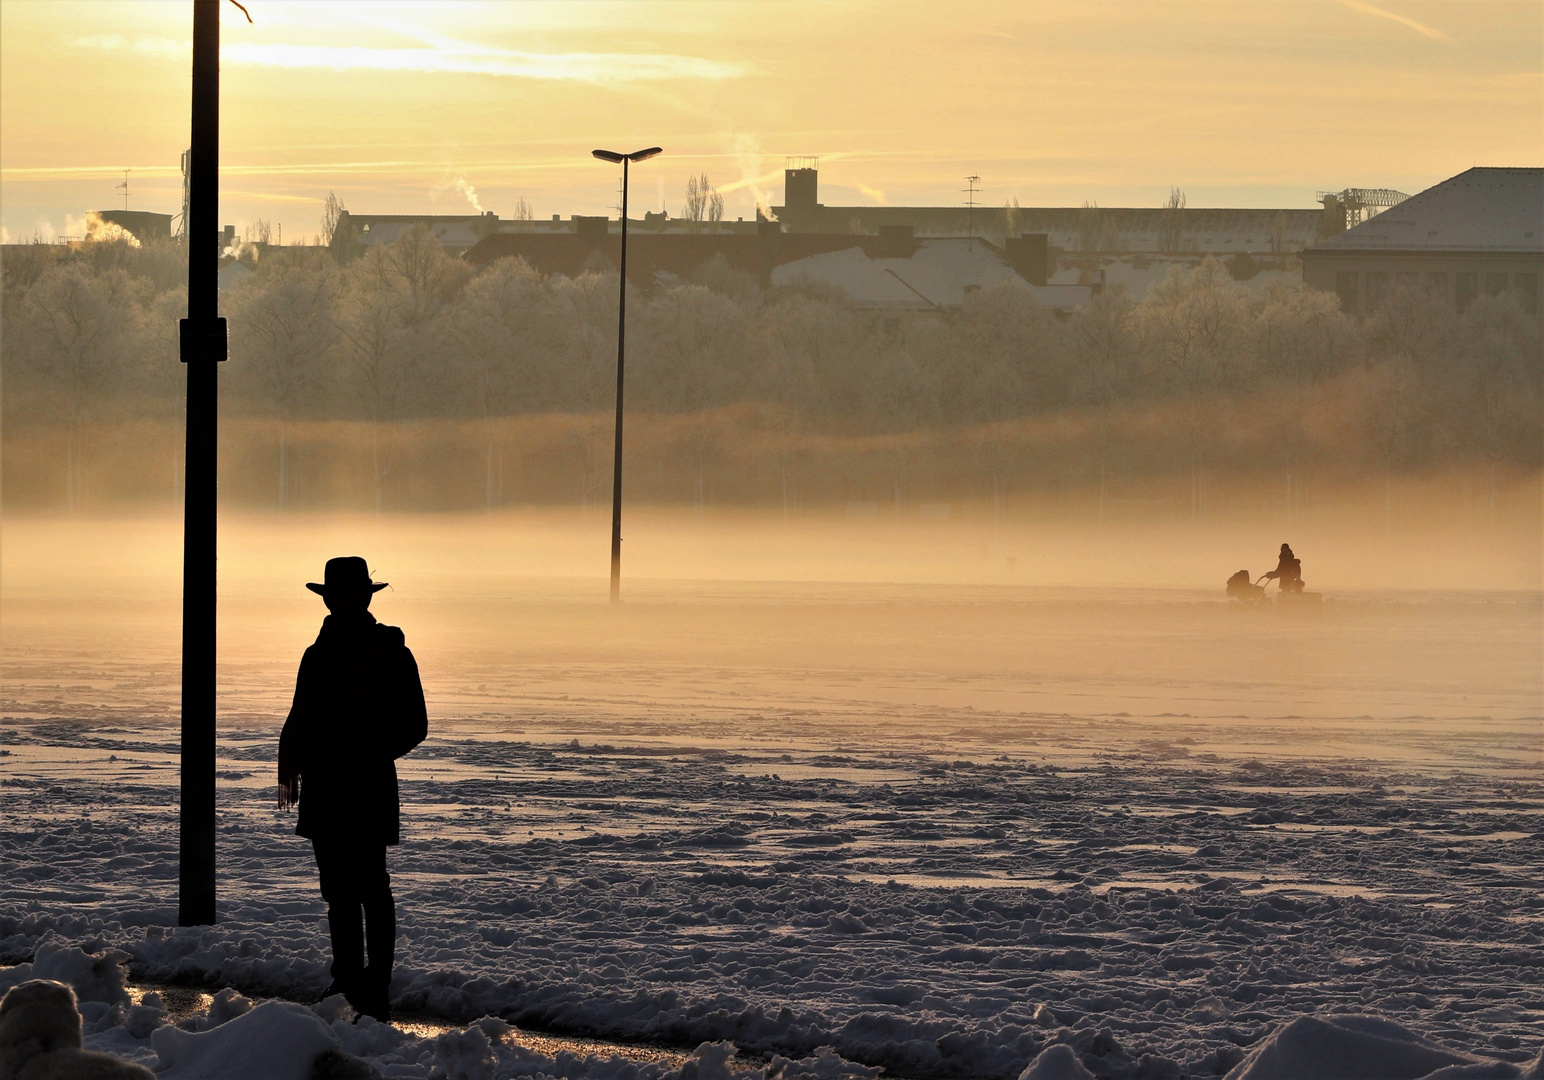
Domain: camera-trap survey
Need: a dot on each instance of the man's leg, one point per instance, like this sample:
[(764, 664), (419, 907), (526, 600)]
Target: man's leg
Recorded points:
[(335, 864), (381, 929)]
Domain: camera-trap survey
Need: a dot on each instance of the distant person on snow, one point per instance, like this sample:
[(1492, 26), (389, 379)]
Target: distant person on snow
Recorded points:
[(1288, 574), (359, 705)]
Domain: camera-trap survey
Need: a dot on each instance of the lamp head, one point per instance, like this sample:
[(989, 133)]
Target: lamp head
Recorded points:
[(617, 159)]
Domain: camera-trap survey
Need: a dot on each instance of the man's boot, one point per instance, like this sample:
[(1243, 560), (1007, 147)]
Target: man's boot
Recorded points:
[(346, 980), (374, 995)]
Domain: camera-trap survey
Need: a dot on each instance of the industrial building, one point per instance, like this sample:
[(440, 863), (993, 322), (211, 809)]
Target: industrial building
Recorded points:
[(457, 233), (1478, 233), (1071, 229), (140, 224), (890, 271), (1130, 247), (1066, 253)]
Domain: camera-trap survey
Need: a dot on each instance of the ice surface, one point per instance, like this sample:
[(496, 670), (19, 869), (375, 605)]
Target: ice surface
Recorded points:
[(934, 830), (664, 903)]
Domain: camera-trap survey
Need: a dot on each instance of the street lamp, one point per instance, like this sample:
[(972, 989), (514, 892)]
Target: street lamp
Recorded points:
[(616, 467), (202, 346)]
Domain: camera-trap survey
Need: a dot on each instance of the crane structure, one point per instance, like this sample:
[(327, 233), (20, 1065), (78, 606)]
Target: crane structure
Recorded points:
[(1360, 204)]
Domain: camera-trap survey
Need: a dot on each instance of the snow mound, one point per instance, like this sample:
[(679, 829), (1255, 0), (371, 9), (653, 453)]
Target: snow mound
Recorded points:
[(710, 1061), (93, 976), (825, 1064), (467, 1054), (1355, 1047), (1057, 1062), (277, 1040)]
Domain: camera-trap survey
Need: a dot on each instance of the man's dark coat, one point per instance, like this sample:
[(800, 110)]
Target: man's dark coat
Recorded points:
[(359, 705)]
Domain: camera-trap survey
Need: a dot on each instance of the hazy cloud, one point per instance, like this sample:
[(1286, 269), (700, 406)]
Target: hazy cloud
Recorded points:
[(753, 183), (476, 60), (442, 55), (1420, 28), (114, 43)]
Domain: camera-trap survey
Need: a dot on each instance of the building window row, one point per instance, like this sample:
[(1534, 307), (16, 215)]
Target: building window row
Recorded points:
[(1364, 292)]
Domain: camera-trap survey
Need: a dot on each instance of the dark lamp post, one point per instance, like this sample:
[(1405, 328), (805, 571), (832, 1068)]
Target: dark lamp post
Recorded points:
[(616, 468), (202, 343)]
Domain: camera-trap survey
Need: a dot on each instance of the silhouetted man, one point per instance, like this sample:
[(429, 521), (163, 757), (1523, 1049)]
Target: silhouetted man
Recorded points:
[(1288, 574), (359, 705)]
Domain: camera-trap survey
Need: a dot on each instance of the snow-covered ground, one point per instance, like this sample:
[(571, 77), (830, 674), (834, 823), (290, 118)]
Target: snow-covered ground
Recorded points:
[(937, 917), (936, 830)]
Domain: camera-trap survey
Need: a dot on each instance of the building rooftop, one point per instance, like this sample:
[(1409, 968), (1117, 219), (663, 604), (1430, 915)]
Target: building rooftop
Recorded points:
[(455, 232), (933, 275), (1085, 229), (888, 272), (1482, 209)]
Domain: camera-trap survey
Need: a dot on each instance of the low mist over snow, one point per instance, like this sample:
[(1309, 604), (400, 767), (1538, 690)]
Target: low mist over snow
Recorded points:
[(939, 828)]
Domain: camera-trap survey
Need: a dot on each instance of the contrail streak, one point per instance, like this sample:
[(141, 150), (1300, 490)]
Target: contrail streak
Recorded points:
[(1420, 28)]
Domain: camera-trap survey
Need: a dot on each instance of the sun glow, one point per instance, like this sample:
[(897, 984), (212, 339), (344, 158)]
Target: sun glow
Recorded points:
[(1053, 103)]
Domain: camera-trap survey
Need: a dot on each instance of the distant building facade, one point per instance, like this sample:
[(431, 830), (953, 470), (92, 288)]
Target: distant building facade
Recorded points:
[(1070, 229), (232, 272), (1089, 247), (1133, 248), (1478, 233), (891, 271), (457, 233), (140, 224), (901, 273)]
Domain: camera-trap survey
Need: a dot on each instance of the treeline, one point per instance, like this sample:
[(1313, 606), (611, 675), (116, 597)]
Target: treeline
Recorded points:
[(404, 380)]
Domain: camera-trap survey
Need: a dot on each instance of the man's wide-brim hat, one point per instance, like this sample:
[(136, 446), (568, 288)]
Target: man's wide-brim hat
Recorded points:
[(347, 573)]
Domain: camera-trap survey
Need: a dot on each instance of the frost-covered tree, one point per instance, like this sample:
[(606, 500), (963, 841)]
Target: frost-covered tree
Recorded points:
[(1106, 353), (1194, 323), (1008, 362), (1496, 369), (500, 324), (1299, 337), (689, 338), (282, 327), (80, 328), (1171, 225), (332, 212), (1407, 337), (585, 384)]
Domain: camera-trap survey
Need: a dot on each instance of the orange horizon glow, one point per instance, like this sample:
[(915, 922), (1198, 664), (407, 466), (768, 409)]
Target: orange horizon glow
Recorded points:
[(455, 107)]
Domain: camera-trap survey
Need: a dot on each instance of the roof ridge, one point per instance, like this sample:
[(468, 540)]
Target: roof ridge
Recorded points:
[(1483, 208)]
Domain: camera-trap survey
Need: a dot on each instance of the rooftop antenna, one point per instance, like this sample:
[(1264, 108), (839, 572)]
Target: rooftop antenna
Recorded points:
[(182, 228), (970, 206), (124, 187)]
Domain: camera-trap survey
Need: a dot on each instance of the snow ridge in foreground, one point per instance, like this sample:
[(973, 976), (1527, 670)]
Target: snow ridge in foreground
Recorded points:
[(278, 1040), (937, 918)]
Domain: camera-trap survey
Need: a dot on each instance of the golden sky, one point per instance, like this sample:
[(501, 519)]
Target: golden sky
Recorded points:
[(432, 107)]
